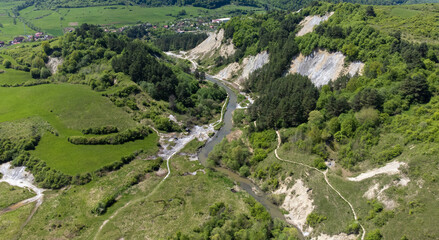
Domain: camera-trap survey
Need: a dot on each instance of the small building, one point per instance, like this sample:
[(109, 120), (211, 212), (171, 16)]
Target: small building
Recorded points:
[(18, 39)]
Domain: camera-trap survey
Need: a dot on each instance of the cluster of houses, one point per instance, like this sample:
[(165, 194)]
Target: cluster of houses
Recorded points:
[(181, 26), (39, 36)]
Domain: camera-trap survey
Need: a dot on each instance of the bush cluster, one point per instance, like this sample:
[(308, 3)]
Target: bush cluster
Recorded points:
[(100, 130), (114, 139)]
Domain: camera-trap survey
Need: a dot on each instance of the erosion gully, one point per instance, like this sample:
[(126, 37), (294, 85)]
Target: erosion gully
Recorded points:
[(244, 183)]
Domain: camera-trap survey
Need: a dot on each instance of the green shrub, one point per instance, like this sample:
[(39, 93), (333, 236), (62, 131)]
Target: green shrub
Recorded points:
[(35, 73), (45, 73), (115, 139), (313, 219), (7, 63)]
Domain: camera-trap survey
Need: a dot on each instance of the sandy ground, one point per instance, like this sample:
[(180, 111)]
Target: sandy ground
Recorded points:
[(322, 67), (309, 22), (390, 169), (298, 203)]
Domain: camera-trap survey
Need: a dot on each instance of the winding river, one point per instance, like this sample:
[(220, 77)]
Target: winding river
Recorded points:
[(244, 183)]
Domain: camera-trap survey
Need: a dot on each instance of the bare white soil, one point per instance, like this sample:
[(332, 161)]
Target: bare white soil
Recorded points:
[(389, 169), (298, 203), (19, 177), (310, 22), (240, 72), (322, 67), (208, 47), (53, 64)]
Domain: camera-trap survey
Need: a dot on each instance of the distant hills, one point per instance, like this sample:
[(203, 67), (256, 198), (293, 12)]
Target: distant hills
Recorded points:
[(210, 4)]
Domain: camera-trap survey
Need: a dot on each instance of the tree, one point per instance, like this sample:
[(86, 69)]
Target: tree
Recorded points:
[(370, 11), (35, 73), (38, 62), (45, 73), (46, 47), (374, 235), (285, 102), (416, 89), (368, 97), (7, 63)]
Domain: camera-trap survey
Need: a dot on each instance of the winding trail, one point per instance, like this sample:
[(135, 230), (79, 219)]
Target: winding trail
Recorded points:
[(201, 133), (279, 141)]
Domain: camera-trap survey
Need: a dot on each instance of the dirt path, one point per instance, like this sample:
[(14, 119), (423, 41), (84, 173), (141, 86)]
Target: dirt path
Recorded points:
[(279, 141)]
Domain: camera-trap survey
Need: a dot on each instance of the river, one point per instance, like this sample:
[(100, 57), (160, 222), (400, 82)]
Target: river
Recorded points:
[(244, 183)]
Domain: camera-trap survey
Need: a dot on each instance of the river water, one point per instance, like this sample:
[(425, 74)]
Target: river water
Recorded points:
[(244, 183)]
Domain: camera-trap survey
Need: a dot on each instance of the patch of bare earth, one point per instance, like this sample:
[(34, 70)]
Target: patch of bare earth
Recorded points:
[(298, 203), (389, 169), (310, 22), (235, 135)]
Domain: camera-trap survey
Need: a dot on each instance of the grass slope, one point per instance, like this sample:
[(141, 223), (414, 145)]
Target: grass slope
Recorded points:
[(68, 109), (11, 195)]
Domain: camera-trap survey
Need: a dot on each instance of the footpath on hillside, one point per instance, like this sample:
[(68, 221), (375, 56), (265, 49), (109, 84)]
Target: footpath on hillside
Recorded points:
[(279, 141)]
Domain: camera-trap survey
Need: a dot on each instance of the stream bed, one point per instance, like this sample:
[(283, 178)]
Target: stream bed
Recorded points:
[(244, 183)]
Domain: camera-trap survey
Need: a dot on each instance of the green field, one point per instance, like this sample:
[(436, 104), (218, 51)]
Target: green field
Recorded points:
[(68, 109), (11, 76), (72, 159), (9, 29), (55, 21)]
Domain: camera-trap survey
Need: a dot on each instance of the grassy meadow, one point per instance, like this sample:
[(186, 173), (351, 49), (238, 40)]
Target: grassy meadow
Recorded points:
[(55, 21), (11, 222), (68, 109), (10, 195)]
